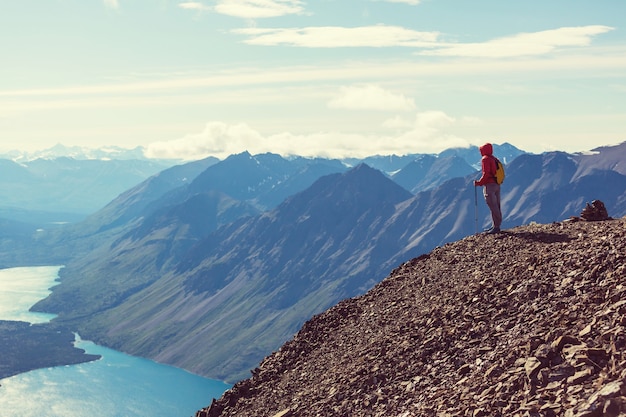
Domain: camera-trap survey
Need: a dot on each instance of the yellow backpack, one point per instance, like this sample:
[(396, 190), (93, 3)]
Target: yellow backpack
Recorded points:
[(499, 171)]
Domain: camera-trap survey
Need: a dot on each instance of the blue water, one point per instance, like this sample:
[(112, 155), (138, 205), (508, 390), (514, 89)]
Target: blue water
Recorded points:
[(20, 288), (118, 385)]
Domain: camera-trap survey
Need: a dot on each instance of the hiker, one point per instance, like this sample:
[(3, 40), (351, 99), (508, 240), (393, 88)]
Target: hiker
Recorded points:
[(492, 188)]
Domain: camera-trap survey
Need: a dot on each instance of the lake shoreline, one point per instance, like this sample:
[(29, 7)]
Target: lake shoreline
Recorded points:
[(47, 369), (27, 347)]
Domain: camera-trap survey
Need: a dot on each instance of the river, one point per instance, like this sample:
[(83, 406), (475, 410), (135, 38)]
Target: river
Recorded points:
[(118, 385)]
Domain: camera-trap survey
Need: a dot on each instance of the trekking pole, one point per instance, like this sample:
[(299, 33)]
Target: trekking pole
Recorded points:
[(476, 208)]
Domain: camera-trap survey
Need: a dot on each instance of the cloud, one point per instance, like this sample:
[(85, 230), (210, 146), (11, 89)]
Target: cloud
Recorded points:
[(217, 139), (370, 97), (253, 9), (410, 2), (524, 44), (429, 133), (338, 37), (112, 4), (194, 5), (249, 9), (430, 43), (599, 62)]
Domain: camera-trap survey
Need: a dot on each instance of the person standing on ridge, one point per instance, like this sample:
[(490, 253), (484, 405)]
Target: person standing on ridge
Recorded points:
[(492, 188)]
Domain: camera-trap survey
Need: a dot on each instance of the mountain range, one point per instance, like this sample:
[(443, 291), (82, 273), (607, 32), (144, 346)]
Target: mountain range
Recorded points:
[(213, 273), (62, 190), (106, 153), (65, 184)]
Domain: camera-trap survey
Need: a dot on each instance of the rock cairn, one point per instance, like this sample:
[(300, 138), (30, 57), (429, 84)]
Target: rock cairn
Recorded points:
[(596, 211), (529, 322)]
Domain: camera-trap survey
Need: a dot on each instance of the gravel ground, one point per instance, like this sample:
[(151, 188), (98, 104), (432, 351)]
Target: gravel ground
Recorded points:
[(528, 322)]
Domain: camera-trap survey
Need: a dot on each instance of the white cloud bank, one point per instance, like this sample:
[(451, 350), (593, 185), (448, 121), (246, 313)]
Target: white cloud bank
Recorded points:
[(249, 9), (194, 5), (524, 44), (430, 43), (426, 134), (337, 37), (253, 9)]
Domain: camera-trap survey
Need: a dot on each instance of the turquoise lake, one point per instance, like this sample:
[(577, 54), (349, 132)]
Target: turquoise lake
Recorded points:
[(118, 385)]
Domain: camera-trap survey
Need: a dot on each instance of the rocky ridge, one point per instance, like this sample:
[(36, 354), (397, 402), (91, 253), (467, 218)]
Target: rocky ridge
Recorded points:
[(529, 322)]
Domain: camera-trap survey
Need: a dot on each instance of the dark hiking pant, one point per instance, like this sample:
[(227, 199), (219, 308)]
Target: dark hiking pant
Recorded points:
[(492, 198)]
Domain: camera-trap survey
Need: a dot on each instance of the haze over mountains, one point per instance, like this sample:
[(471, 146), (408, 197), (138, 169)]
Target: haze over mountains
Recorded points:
[(211, 266), (64, 184)]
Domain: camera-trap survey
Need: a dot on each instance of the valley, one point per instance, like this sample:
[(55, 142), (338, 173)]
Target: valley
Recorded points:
[(213, 272)]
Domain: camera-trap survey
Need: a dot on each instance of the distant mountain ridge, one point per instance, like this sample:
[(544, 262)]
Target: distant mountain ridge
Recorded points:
[(83, 153), (237, 292), (429, 171), (65, 184)]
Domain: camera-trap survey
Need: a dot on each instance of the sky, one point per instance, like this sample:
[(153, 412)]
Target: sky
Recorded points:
[(330, 78)]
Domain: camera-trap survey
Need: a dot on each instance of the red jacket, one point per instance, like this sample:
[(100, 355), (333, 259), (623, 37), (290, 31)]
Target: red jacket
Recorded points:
[(488, 163)]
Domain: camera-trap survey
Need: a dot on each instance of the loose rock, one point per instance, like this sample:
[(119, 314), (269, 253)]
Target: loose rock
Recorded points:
[(530, 322)]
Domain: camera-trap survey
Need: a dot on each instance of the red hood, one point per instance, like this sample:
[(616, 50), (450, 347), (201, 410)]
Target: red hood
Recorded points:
[(486, 149)]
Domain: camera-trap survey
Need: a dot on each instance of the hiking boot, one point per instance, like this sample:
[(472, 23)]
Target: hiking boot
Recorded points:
[(493, 230)]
